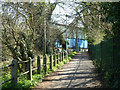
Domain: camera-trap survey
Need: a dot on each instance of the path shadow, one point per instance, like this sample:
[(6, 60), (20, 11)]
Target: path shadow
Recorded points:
[(68, 77)]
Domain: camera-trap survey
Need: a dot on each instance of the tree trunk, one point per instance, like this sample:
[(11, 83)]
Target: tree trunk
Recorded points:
[(77, 40)]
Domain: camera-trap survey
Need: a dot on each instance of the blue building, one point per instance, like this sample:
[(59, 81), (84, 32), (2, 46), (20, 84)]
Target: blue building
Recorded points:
[(72, 43), (81, 43)]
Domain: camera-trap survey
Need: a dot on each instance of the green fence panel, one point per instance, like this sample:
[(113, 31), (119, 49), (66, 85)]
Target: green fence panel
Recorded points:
[(106, 56)]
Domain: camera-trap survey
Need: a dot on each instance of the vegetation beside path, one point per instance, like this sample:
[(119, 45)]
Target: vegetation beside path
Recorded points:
[(24, 83)]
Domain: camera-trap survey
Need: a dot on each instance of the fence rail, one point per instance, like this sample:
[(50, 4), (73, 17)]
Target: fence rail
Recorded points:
[(6, 66), (53, 59)]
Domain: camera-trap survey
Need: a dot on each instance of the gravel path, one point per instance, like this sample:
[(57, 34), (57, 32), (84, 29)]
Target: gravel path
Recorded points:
[(78, 73)]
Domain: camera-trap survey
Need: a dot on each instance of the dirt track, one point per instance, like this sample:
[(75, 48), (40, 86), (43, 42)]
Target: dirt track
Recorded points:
[(78, 73)]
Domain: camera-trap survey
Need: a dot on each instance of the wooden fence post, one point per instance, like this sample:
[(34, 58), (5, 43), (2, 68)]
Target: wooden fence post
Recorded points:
[(50, 61), (62, 56), (44, 63), (14, 71), (66, 55), (54, 58), (38, 65), (29, 65), (57, 58)]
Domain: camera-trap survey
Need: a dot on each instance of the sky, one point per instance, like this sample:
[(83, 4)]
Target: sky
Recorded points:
[(60, 12)]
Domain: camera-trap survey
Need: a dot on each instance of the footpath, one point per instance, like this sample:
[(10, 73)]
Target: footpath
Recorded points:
[(78, 73)]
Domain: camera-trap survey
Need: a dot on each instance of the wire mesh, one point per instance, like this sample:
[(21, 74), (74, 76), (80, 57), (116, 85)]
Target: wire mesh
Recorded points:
[(106, 58)]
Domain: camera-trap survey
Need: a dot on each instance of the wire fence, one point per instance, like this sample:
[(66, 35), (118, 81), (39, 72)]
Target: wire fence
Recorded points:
[(106, 56)]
